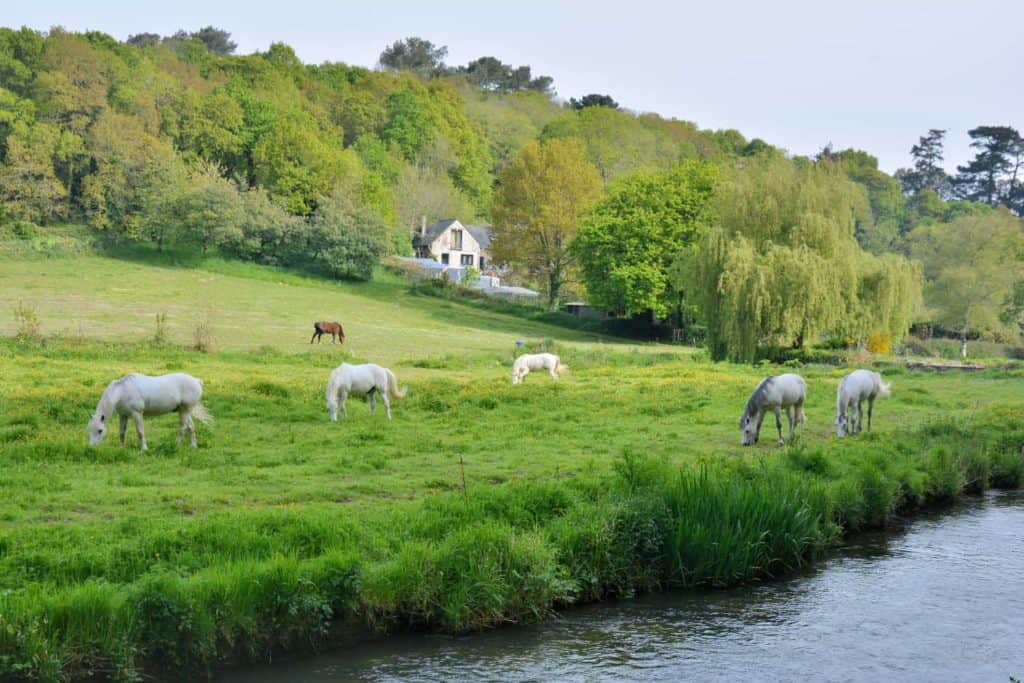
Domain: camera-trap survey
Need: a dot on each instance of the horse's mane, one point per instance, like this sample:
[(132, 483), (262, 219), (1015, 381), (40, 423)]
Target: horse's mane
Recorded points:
[(752, 402)]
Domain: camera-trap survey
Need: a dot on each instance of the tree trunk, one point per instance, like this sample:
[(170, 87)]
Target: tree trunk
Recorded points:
[(554, 285)]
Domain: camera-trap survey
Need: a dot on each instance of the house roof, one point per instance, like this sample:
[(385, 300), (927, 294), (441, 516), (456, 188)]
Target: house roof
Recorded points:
[(481, 233)]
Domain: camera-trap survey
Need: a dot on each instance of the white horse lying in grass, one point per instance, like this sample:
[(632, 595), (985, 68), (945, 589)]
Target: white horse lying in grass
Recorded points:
[(137, 395), (853, 389), (787, 391), (536, 361), (362, 380)]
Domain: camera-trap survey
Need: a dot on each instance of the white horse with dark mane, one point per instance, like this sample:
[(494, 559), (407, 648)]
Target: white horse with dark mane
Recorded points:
[(536, 361), (363, 380), (853, 389), (787, 391), (138, 395)]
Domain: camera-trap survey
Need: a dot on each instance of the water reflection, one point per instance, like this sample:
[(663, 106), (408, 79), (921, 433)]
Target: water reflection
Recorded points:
[(942, 600)]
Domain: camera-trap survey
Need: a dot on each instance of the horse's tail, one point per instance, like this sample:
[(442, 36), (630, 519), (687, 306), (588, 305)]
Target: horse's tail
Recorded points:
[(341, 333), (200, 413), (393, 388), (561, 367), (884, 388)]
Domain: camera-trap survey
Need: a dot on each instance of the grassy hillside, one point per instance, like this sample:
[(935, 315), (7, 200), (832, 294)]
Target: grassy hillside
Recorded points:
[(281, 527), (250, 307)]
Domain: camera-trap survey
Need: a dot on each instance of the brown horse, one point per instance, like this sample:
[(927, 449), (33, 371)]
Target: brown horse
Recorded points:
[(324, 327)]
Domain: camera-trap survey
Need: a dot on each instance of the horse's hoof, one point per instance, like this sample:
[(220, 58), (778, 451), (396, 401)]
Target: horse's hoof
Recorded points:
[(782, 442)]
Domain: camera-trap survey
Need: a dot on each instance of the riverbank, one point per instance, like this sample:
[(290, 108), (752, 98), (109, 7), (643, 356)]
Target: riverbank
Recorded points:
[(278, 539)]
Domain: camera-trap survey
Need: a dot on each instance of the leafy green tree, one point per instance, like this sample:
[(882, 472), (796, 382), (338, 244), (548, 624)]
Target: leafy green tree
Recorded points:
[(877, 231), (410, 125), (20, 57), (973, 266), (628, 244), (615, 141), (209, 212), (542, 197), (417, 55), (29, 187), (593, 100), (345, 239), (781, 266), (267, 233)]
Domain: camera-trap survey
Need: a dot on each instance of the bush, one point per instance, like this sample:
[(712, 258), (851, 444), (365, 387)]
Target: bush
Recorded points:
[(27, 320)]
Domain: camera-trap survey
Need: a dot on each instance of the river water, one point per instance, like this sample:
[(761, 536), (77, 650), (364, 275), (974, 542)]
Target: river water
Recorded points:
[(939, 600)]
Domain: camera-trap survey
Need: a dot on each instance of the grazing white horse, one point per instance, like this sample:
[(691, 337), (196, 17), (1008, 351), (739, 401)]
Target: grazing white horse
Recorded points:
[(536, 361), (853, 389), (787, 391), (362, 380), (137, 395)]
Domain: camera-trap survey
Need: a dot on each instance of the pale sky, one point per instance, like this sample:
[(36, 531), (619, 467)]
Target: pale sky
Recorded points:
[(870, 74)]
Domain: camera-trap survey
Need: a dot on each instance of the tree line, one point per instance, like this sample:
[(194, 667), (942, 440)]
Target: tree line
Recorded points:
[(176, 141)]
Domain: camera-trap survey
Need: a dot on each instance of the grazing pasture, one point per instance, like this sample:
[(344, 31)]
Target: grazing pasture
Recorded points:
[(480, 503)]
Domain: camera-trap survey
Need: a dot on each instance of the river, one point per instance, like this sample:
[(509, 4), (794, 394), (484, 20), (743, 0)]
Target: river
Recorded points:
[(941, 599)]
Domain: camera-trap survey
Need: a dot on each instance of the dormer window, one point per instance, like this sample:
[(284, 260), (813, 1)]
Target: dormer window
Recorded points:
[(457, 240)]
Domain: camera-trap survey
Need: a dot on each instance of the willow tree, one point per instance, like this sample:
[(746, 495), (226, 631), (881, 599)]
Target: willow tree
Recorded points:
[(782, 265), (541, 199)]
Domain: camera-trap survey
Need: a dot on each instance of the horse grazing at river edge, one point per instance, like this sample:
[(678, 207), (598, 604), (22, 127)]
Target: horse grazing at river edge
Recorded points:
[(787, 391), (322, 327), (363, 380), (536, 361), (853, 389), (137, 395)]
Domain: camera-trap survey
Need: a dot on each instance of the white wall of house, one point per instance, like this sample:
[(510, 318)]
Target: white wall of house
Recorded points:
[(457, 247)]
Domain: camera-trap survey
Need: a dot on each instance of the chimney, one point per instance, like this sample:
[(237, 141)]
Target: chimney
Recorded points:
[(423, 225)]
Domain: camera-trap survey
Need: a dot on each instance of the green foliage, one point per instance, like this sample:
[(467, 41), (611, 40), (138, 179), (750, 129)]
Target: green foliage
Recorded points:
[(414, 54), (345, 240), (632, 237), (543, 196), (285, 533), (972, 267), (782, 266)]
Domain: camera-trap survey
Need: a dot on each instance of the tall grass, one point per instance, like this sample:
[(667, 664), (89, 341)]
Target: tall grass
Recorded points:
[(240, 588)]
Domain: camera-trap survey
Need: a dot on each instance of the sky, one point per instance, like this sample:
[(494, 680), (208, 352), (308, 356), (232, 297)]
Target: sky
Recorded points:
[(872, 75)]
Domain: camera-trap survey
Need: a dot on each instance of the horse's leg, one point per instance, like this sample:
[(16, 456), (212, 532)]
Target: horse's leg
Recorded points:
[(182, 424), (778, 423), (373, 401), (554, 375), (191, 431), (343, 395), (387, 402), (791, 418), (123, 424), (137, 417), (860, 415), (313, 337), (871, 406)]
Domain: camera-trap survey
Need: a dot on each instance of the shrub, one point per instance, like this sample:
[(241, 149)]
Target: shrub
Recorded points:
[(27, 320)]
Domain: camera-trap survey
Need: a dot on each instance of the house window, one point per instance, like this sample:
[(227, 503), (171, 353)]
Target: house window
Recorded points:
[(481, 263), (444, 258), (467, 259), (457, 240)]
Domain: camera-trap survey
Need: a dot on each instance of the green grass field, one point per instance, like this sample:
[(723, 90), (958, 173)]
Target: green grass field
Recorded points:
[(114, 561)]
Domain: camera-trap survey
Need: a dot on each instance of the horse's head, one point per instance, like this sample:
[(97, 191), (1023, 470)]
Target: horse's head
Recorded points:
[(748, 430), (841, 425), (97, 428)]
